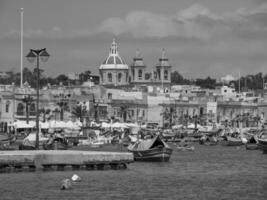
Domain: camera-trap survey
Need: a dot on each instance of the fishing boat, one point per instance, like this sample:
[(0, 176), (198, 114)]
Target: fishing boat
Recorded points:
[(56, 143), (232, 141), (263, 145), (252, 143), (154, 149), (262, 141), (185, 148)]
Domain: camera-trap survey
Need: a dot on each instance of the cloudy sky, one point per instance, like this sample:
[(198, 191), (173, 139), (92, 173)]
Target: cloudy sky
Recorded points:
[(201, 37)]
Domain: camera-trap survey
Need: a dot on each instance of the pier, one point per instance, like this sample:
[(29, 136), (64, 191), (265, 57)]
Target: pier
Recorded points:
[(61, 160)]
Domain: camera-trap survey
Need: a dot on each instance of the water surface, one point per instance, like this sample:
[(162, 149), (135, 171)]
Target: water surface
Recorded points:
[(210, 172)]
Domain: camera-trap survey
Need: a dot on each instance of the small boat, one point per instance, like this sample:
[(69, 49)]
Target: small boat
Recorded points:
[(56, 143), (232, 141), (151, 150), (186, 148), (252, 146), (252, 143), (263, 144), (262, 141)]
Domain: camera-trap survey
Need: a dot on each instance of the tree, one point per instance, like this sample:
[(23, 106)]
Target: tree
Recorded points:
[(79, 112), (176, 78), (206, 83), (28, 101), (63, 106), (169, 114), (123, 112), (62, 78)]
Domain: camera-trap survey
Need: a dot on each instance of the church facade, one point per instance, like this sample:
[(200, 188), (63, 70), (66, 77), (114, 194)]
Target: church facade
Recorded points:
[(115, 72)]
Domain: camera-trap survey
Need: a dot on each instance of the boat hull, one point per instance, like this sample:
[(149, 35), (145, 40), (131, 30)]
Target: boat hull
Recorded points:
[(153, 155), (263, 145), (252, 146), (232, 142)]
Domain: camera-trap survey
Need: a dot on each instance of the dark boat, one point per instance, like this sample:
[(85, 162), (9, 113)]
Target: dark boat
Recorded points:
[(56, 143), (151, 150), (252, 143), (262, 141), (231, 141)]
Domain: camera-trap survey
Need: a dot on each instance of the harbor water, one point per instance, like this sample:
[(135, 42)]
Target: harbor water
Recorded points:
[(209, 172)]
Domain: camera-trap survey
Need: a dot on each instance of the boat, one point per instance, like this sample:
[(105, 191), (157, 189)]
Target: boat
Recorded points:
[(185, 148), (56, 142), (252, 146), (262, 141), (252, 143), (232, 141), (263, 145), (154, 149), (29, 142)]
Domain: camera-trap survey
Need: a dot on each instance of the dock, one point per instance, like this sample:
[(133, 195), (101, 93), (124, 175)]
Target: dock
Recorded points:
[(63, 159)]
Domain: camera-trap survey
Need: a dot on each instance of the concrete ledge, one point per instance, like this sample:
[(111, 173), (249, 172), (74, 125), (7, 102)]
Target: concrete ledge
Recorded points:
[(42, 158)]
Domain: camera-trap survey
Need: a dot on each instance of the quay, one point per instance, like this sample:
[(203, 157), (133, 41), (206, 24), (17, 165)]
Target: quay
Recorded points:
[(63, 159)]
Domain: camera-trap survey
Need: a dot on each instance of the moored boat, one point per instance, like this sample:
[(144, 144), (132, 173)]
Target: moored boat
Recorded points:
[(262, 141), (232, 141), (263, 144), (56, 143), (185, 148), (252, 146), (151, 150)]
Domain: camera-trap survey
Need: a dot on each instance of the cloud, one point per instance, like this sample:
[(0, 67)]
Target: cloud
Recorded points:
[(140, 24), (53, 33), (196, 21)]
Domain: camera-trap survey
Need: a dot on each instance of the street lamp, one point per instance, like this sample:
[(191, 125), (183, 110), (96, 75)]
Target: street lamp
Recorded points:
[(32, 55)]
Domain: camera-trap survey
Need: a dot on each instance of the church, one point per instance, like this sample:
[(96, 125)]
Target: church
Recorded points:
[(115, 72)]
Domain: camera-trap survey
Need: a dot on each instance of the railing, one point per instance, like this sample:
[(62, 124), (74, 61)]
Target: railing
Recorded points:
[(22, 113)]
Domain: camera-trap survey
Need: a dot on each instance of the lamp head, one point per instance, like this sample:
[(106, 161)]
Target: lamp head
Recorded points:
[(44, 55), (31, 56)]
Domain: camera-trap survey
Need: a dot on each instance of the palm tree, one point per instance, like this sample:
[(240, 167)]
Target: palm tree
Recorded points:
[(63, 106), (45, 112), (123, 112), (28, 101), (169, 114), (79, 112)]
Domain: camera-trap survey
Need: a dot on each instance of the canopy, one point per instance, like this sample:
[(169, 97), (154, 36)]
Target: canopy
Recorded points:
[(119, 125), (194, 126), (23, 124), (105, 125), (177, 126), (146, 144)]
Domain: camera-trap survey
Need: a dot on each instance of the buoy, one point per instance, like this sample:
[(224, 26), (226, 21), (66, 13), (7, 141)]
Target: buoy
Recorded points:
[(65, 184), (75, 178)]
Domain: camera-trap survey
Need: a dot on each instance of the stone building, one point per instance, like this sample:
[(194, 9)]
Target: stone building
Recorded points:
[(113, 71)]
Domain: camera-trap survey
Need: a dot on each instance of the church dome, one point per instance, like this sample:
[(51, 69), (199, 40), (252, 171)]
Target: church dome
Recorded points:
[(113, 61)]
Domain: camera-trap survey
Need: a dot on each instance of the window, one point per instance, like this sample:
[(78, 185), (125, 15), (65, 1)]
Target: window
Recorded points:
[(119, 77), (32, 109), (133, 73), (166, 74), (109, 77), (20, 109), (109, 96), (140, 74), (158, 74), (7, 106)]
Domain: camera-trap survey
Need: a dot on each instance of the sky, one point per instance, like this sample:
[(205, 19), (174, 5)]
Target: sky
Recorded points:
[(201, 37)]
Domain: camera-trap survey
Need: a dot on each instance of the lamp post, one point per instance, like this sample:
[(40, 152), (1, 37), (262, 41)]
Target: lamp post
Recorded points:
[(32, 55)]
